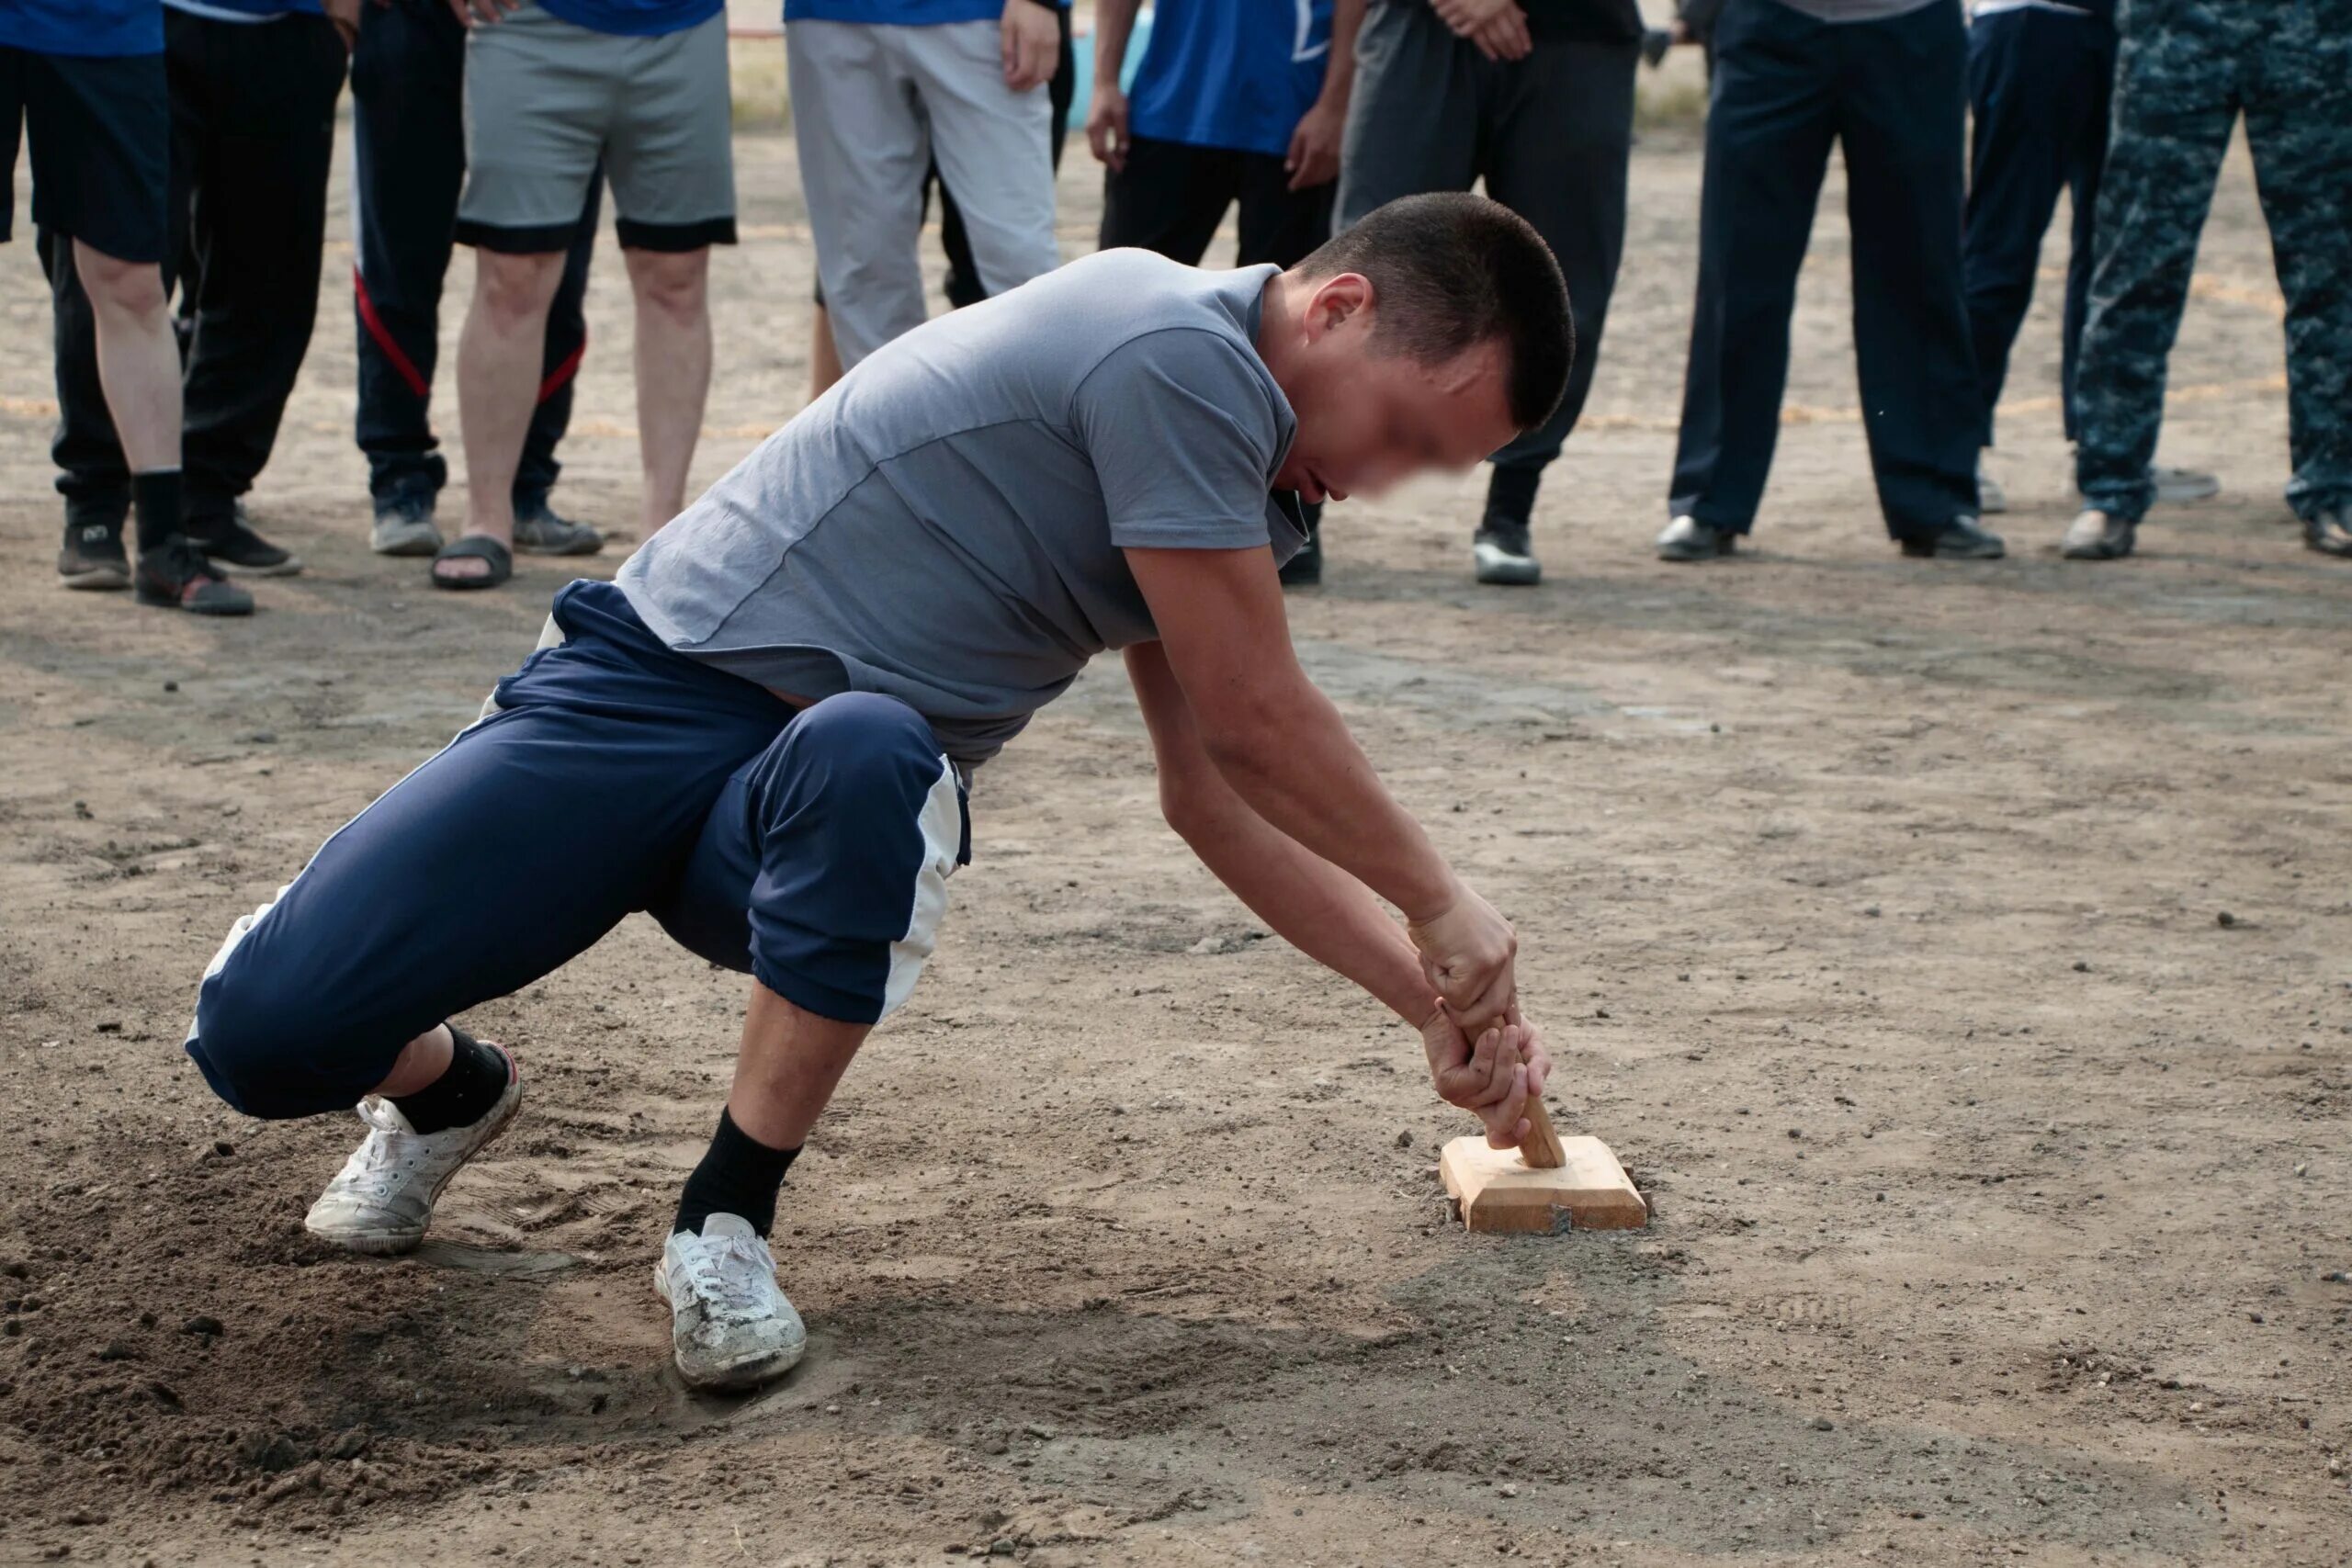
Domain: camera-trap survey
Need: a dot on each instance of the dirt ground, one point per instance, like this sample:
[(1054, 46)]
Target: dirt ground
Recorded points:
[(1960, 957)]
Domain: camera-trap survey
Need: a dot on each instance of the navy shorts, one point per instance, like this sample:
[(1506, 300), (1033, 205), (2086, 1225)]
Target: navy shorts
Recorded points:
[(809, 847), (100, 128)]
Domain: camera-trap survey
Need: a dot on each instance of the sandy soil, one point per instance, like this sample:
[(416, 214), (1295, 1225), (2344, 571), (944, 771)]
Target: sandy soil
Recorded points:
[(1956, 953)]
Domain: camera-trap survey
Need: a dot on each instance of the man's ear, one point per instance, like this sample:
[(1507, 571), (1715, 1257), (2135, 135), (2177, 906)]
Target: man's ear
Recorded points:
[(1337, 301)]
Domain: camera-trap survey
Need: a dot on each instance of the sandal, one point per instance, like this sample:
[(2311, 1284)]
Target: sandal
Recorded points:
[(540, 532), (475, 547)]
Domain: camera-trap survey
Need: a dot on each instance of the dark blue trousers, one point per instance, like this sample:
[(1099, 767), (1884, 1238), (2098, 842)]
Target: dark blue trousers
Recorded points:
[(807, 847), (2039, 86), (1893, 95)]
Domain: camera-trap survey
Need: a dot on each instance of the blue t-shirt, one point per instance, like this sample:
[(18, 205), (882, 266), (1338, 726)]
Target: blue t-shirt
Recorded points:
[(242, 10), (902, 13), (1230, 73), (634, 18), (83, 26)]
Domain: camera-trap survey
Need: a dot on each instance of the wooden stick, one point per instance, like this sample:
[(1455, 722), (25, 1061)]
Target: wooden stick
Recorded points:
[(1541, 1149)]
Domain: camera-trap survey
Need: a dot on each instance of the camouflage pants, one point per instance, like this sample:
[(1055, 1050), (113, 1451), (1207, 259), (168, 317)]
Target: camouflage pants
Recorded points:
[(2188, 69)]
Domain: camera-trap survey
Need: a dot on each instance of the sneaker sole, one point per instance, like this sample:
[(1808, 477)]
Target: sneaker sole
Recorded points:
[(421, 539), (292, 566), (740, 1376), (2101, 551), (97, 579), (390, 1244), (1493, 566)]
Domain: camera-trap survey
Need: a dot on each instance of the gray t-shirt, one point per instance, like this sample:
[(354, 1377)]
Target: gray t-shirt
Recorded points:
[(944, 526)]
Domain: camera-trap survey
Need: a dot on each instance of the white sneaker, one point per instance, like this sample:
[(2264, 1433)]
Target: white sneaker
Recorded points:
[(382, 1199), (730, 1324)]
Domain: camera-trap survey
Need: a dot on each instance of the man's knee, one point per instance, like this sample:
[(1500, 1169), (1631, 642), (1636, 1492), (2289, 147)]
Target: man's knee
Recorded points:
[(117, 286), (861, 740), (249, 1039), (514, 290), (676, 284)]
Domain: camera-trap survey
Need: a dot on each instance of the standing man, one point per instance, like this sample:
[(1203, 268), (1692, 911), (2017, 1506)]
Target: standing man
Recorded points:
[(408, 164), (766, 725), (2188, 69), (1887, 80), (253, 86), (883, 89), (1536, 97), (2039, 74), (86, 78), (1235, 102), (556, 89)]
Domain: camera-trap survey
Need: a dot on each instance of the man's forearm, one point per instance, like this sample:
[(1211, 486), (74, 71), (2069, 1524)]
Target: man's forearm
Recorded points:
[(1114, 23), (1293, 763), (1310, 903), (1339, 71)]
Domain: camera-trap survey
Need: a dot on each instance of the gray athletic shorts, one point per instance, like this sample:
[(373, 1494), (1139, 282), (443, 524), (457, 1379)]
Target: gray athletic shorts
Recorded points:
[(545, 99)]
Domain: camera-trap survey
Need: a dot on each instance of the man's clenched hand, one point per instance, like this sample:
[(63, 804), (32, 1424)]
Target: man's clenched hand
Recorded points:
[(1495, 1077), (1467, 952)]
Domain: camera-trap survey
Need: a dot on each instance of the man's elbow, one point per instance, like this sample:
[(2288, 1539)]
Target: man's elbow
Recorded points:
[(1243, 739)]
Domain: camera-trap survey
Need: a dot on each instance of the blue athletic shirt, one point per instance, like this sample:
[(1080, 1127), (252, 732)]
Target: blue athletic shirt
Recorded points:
[(242, 10), (83, 26), (634, 18), (902, 13), (1230, 73)]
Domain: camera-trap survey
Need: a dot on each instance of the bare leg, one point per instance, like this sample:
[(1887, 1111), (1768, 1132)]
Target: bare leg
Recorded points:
[(672, 291), (139, 361), (824, 358), (790, 1063), (498, 386), (421, 1062)]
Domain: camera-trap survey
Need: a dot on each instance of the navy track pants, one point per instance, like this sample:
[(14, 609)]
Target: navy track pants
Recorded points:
[(809, 847)]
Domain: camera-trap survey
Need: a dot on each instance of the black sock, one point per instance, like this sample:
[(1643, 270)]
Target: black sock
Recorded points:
[(155, 500), (739, 1175), (1511, 493), (464, 1094)]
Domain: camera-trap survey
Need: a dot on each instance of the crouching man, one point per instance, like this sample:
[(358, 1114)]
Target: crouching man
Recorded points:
[(764, 732)]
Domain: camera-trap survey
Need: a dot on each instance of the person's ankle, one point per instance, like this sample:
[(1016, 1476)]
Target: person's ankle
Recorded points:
[(739, 1175)]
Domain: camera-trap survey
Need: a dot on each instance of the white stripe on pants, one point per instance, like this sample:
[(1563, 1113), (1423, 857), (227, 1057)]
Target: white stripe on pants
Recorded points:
[(872, 104)]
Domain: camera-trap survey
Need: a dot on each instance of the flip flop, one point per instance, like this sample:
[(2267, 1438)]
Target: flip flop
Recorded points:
[(475, 547)]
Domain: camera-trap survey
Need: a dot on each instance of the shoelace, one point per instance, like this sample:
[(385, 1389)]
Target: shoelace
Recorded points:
[(727, 1275), (386, 1155)]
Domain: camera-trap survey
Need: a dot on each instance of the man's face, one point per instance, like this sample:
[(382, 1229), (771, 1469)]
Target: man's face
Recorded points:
[(1368, 418)]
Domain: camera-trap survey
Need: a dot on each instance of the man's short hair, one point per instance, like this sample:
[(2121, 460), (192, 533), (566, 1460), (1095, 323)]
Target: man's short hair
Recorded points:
[(1450, 270)]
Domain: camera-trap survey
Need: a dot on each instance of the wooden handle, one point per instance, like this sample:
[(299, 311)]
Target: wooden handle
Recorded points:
[(1541, 1149)]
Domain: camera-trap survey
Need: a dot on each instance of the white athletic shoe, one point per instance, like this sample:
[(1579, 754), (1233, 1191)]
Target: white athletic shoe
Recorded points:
[(730, 1324), (382, 1199)]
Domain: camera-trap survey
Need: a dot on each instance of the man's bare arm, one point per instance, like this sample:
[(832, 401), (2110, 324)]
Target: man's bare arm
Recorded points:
[(1283, 747), (1324, 913)]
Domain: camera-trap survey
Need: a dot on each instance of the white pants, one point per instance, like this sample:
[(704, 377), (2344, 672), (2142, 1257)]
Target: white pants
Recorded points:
[(872, 105)]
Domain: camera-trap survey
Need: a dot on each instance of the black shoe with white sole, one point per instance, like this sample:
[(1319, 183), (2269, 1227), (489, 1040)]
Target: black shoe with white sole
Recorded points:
[(175, 575), (2097, 535), (1962, 538), (232, 546), (1501, 553), (92, 555)]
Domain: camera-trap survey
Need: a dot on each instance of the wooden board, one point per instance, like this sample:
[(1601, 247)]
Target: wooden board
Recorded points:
[(1498, 1191)]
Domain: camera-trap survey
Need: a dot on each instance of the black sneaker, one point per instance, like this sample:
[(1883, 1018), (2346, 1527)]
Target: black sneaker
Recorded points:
[(1962, 538), (1501, 552), (232, 545), (92, 556), (1305, 570), (1688, 540), (175, 574)]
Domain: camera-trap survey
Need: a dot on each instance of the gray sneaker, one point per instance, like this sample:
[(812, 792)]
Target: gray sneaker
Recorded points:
[(1688, 540), (381, 1201), (538, 531), (731, 1326), (404, 526), (2330, 533), (2095, 536)]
